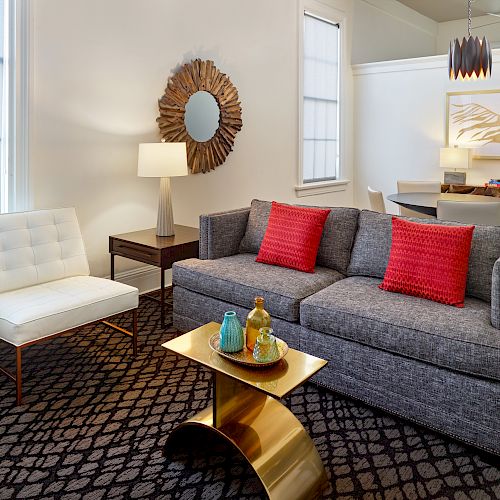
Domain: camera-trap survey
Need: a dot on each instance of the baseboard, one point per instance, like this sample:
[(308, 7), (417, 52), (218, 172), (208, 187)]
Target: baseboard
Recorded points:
[(145, 278)]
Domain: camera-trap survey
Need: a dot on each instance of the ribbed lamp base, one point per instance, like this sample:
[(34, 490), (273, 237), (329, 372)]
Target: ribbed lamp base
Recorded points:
[(165, 223)]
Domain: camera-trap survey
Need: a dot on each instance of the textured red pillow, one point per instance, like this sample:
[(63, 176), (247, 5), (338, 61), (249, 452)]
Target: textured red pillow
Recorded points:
[(292, 236), (429, 261)]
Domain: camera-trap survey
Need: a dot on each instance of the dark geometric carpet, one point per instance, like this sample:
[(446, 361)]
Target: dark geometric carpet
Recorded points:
[(95, 420)]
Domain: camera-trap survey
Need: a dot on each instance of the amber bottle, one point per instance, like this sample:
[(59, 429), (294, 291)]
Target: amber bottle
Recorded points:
[(257, 318)]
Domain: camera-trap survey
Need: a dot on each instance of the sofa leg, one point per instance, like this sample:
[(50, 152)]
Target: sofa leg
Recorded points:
[(134, 332), (19, 376)]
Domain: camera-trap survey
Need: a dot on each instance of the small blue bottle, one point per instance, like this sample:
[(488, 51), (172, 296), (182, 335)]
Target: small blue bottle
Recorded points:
[(232, 338)]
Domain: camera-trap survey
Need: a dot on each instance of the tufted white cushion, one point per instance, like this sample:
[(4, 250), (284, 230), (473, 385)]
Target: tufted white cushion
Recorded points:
[(40, 246), (45, 287), (38, 311)]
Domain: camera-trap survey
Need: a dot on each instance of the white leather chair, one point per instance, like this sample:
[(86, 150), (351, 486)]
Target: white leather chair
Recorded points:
[(417, 187), (376, 200), (474, 212), (45, 287)]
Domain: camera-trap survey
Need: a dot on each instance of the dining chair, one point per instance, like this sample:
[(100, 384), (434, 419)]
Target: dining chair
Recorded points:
[(417, 187), (376, 200), (470, 212)]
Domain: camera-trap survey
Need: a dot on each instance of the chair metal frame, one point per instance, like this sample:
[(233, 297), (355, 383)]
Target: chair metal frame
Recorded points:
[(17, 377)]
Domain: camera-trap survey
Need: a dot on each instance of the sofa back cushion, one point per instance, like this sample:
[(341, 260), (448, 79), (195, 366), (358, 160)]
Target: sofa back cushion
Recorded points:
[(370, 253), (40, 246), (336, 243)]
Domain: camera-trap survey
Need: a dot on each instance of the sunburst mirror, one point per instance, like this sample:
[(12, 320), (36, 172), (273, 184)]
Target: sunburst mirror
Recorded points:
[(200, 107)]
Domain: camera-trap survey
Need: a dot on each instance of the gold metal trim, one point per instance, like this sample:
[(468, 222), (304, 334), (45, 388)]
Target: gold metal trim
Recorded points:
[(277, 381), (246, 414), (267, 434), (468, 92)]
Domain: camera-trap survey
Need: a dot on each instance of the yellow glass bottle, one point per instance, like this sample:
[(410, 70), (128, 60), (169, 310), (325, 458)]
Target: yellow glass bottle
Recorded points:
[(257, 318)]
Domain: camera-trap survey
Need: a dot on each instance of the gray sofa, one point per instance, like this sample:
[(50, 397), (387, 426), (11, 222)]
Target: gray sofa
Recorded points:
[(434, 364)]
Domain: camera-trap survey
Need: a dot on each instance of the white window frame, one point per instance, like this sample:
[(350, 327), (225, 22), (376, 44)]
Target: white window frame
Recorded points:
[(334, 16), (15, 184)]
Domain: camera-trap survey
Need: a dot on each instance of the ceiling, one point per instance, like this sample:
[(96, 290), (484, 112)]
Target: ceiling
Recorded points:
[(449, 10)]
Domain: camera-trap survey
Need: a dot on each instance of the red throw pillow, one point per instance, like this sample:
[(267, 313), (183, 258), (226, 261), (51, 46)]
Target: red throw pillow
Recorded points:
[(292, 236), (429, 261)]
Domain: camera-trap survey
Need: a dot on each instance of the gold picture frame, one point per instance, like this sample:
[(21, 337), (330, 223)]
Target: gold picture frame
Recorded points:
[(473, 121)]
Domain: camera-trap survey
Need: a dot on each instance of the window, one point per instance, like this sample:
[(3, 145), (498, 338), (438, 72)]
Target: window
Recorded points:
[(320, 105), (14, 93), (4, 198)]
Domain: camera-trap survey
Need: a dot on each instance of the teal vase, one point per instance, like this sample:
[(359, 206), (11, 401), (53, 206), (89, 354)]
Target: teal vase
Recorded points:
[(232, 338)]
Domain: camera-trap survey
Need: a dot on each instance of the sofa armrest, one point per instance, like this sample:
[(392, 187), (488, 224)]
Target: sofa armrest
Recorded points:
[(495, 295), (222, 232)]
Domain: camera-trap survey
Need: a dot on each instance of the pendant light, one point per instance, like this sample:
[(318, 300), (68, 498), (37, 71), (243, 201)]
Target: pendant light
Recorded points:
[(470, 59)]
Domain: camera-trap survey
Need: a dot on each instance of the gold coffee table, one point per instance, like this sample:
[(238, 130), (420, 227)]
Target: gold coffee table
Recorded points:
[(246, 412)]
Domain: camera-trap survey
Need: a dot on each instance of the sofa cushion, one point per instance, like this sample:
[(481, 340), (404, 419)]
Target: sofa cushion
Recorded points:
[(39, 311), (372, 246), (292, 237), (239, 279), (336, 243), (458, 339)]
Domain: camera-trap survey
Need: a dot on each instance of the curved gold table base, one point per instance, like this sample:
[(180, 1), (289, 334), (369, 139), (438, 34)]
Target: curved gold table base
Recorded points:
[(269, 436)]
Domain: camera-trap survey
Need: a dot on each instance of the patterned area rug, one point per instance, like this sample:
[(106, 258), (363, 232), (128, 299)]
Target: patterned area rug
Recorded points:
[(94, 422)]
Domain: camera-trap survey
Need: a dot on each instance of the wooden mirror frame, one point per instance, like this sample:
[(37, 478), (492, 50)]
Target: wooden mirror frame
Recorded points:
[(191, 78)]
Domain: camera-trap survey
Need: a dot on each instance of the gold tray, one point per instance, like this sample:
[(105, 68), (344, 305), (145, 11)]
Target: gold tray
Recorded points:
[(245, 357)]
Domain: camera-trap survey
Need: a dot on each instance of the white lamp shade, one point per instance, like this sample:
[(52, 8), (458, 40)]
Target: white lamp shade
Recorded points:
[(162, 159), (454, 158)]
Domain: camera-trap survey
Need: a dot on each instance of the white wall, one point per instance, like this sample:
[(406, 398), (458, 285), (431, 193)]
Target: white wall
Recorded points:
[(399, 124), (98, 69), (458, 29), (387, 30)]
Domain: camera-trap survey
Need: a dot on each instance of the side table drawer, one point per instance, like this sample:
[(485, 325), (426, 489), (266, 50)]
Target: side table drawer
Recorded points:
[(134, 251), (181, 252)]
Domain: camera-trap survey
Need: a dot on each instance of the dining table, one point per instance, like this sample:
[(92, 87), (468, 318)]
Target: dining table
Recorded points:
[(426, 203)]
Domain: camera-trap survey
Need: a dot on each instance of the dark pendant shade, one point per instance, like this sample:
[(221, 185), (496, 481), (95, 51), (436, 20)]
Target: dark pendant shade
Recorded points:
[(470, 59)]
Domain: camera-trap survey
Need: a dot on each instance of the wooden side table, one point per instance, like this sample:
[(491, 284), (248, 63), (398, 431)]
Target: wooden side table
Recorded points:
[(160, 251)]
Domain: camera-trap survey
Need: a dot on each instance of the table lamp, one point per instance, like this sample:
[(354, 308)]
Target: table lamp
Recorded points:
[(453, 158), (164, 160)]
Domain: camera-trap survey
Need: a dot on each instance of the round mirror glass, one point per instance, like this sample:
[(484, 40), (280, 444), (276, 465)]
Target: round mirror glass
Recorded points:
[(202, 116)]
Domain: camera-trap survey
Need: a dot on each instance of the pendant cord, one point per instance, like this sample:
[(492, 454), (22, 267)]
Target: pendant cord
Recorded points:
[(469, 13)]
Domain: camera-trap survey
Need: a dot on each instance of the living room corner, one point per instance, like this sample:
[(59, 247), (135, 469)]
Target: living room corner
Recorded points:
[(250, 249)]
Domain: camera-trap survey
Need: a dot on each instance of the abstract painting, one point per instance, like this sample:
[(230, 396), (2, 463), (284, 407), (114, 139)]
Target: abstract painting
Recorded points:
[(473, 121)]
